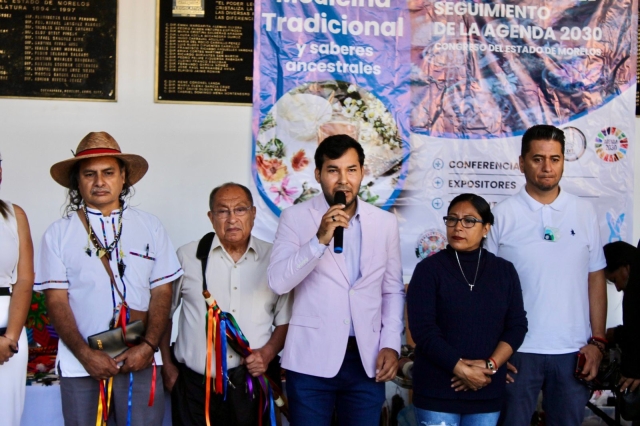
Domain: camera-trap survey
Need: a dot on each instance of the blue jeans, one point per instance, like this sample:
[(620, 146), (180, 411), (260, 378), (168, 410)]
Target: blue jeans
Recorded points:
[(356, 397), (564, 398), (435, 418)]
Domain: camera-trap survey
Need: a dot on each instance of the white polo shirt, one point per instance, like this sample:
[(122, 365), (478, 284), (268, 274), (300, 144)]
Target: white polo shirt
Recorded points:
[(63, 263), (239, 288), (553, 274)]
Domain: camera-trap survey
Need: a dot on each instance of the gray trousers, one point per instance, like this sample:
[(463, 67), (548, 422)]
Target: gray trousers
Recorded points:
[(80, 400)]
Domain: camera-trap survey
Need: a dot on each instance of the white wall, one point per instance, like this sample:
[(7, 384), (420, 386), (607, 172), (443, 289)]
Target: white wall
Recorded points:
[(190, 148)]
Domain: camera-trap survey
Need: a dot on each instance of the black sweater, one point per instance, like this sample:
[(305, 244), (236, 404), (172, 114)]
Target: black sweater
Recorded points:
[(448, 322)]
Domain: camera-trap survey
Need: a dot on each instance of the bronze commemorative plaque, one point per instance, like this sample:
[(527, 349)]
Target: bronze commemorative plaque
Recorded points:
[(204, 51), (59, 49)]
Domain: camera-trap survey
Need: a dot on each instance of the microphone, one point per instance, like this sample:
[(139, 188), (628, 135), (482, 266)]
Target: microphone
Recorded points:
[(339, 198)]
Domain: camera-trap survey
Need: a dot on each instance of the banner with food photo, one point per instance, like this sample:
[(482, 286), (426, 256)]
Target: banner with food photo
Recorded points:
[(327, 67), (479, 73)]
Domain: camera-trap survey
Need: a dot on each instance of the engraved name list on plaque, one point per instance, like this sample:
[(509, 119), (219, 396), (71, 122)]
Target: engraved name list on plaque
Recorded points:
[(204, 51), (58, 49)]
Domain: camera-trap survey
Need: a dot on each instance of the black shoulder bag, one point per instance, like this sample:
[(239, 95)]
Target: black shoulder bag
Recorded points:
[(202, 253), (236, 375)]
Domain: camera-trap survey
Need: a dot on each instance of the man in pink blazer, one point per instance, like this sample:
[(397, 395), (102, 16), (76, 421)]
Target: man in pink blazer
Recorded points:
[(344, 334)]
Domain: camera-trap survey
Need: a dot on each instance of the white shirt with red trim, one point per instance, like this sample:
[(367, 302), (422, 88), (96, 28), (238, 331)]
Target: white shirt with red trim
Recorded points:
[(67, 260)]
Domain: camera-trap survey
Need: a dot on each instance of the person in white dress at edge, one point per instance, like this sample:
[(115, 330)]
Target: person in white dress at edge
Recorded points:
[(16, 283)]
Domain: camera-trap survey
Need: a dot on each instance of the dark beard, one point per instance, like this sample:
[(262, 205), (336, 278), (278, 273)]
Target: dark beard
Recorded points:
[(545, 187)]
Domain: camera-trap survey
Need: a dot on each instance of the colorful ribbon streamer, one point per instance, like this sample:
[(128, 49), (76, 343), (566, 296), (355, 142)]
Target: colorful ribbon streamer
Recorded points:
[(106, 386), (104, 401), (220, 324)]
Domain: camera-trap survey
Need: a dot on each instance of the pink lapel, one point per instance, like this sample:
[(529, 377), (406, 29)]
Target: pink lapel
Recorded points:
[(318, 209)]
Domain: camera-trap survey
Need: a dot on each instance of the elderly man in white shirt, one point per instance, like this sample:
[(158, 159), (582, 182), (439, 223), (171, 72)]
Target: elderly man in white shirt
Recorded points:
[(236, 277), (85, 298)]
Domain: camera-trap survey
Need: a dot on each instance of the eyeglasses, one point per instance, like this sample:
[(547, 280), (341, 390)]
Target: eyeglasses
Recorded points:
[(467, 221), (225, 213)]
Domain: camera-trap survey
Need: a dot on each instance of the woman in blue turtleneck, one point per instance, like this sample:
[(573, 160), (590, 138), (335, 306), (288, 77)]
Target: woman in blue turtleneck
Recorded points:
[(466, 317)]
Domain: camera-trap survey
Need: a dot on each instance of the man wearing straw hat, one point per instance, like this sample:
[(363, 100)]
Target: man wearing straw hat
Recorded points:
[(106, 264)]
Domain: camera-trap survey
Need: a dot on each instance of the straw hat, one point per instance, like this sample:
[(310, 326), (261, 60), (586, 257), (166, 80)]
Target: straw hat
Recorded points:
[(99, 144)]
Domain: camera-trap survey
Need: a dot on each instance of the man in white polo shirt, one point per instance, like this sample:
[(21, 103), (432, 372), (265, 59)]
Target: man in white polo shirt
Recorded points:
[(236, 277), (102, 231), (553, 240)]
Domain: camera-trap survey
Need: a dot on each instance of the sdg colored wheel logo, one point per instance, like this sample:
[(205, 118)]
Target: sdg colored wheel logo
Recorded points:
[(611, 144)]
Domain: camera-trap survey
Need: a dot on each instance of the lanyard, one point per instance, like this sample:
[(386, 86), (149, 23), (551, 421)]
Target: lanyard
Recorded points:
[(120, 318)]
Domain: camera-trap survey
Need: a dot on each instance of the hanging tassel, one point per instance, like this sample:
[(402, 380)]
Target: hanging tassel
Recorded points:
[(223, 357), (103, 413), (222, 329), (104, 401), (123, 321), (210, 333), (260, 411), (152, 391), (217, 338), (109, 393), (272, 410), (130, 399)]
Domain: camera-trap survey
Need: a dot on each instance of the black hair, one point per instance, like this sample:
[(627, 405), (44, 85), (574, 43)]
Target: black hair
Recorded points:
[(619, 254), (541, 132), (4, 209), (479, 203), (212, 196), (74, 196), (334, 147)]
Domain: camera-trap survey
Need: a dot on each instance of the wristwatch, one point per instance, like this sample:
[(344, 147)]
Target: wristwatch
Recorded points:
[(491, 365)]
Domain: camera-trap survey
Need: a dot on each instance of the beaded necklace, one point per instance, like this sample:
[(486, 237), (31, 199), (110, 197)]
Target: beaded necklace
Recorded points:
[(100, 250)]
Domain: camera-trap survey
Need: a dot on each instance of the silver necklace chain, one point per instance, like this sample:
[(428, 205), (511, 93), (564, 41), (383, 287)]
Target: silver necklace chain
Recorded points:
[(477, 269)]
